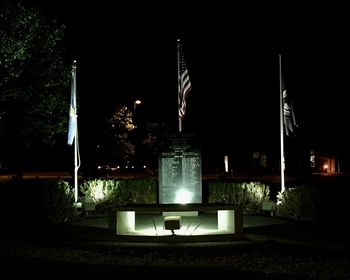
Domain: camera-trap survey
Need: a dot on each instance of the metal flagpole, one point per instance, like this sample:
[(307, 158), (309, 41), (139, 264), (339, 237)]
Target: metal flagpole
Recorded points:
[(179, 86), (76, 163), (281, 124), (76, 143)]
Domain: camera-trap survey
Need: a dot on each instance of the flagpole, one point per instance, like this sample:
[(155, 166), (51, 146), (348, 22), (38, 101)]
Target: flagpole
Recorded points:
[(179, 87), (281, 124), (76, 164), (76, 168), (76, 146)]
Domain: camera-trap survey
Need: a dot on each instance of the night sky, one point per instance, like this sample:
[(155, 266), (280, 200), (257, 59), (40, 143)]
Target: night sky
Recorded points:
[(128, 51)]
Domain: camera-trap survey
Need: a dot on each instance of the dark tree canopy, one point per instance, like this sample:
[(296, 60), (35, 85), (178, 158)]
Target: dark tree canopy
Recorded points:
[(120, 127), (34, 79), (125, 144)]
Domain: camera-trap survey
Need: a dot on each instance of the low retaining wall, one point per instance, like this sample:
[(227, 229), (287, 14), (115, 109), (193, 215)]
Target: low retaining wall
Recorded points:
[(228, 218)]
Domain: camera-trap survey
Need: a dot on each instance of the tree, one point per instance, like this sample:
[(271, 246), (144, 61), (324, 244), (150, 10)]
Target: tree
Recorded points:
[(124, 142), (153, 142), (34, 78), (117, 136)]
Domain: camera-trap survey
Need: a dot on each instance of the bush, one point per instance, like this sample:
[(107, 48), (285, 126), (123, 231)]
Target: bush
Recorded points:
[(248, 196), (297, 203), (59, 202), (106, 193)]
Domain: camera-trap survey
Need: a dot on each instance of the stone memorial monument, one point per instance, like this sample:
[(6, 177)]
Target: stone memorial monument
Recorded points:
[(180, 171)]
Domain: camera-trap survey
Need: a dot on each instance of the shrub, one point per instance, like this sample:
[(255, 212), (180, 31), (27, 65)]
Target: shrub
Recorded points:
[(297, 203), (59, 202), (115, 192), (248, 196)]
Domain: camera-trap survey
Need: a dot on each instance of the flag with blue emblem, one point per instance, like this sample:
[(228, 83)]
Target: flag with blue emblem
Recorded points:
[(72, 123)]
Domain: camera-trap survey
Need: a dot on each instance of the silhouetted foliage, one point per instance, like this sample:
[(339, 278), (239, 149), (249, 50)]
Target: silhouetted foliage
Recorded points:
[(33, 80)]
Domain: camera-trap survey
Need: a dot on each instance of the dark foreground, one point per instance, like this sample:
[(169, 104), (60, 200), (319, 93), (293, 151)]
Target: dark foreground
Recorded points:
[(268, 260), (52, 254)]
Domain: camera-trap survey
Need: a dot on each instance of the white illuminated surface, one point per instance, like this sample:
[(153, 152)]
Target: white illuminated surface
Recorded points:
[(153, 225), (226, 163), (98, 193), (183, 196), (125, 222)]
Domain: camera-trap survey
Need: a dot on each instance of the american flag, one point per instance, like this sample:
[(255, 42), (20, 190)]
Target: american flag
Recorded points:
[(184, 82)]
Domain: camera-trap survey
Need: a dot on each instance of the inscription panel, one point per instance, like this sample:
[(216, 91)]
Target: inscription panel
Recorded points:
[(180, 173)]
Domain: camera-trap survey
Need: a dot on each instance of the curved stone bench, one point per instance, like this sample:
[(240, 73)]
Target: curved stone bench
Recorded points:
[(228, 219)]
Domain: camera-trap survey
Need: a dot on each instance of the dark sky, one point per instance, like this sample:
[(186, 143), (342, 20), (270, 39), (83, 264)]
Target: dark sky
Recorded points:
[(128, 51)]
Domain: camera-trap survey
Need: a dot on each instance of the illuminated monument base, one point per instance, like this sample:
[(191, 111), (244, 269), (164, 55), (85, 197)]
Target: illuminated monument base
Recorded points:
[(180, 215), (215, 222)]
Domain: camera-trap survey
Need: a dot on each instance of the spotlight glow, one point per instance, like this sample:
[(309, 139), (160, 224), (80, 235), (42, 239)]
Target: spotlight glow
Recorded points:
[(183, 196)]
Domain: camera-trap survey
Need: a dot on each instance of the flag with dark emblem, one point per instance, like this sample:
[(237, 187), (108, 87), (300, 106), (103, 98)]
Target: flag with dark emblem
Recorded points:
[(290, 124)]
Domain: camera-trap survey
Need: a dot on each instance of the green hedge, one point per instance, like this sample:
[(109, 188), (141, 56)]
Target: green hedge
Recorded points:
[(59, 201), (106, 193), (304, 203), (249, 196), (297, 203), (115, 192)]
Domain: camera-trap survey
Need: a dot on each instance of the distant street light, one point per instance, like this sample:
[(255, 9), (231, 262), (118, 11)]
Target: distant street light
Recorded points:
[(136, 102)]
